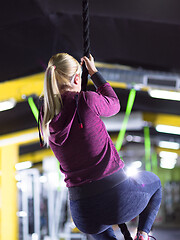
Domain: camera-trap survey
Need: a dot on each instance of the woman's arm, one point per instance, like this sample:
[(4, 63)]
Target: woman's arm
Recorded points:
[(104, 102)]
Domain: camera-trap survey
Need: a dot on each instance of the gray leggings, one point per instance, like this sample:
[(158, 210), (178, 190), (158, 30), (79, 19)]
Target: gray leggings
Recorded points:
[(135, 196)]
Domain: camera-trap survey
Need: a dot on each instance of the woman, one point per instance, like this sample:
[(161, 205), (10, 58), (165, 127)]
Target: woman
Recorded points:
[(100, 193)]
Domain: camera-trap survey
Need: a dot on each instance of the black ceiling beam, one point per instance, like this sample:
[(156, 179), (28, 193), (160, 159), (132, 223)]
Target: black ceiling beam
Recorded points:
[(166, 11)]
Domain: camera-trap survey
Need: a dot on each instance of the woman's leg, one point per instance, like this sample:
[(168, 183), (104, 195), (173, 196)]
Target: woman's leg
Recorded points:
[(135, 196), (148, 215)]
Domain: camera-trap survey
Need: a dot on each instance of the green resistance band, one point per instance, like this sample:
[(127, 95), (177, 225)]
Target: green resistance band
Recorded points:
[(58, 166), (154, 162), (147, 145), (33, 108), (122, 132)]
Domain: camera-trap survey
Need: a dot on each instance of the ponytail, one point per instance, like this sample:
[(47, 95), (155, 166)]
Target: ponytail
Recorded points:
[(58, 77), (52, 101)]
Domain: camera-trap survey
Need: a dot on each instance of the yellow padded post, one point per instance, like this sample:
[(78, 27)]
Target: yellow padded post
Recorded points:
[(8, 203)]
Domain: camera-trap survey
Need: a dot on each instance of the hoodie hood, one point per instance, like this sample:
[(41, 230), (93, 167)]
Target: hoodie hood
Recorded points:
[(59, 135), (61, 124)]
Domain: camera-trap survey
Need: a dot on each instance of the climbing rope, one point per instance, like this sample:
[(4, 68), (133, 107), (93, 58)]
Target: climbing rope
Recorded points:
[(86, 52), (86, 41), (125, 231)]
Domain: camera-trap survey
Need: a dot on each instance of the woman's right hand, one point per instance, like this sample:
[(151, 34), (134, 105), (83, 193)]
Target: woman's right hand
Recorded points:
[(90, 65)]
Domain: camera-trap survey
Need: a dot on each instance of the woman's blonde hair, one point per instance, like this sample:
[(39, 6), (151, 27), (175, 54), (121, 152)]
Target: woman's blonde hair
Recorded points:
[(59, 74)]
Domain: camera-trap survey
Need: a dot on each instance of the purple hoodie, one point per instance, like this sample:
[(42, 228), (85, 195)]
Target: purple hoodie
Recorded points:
[(85, 154)]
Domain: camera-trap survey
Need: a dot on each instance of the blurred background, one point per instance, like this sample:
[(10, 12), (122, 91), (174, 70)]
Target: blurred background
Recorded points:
[(136, 48)]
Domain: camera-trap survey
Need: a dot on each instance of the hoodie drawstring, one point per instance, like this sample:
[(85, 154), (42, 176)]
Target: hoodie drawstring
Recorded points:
[(39, 130), (39, 123), (78, 115)]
